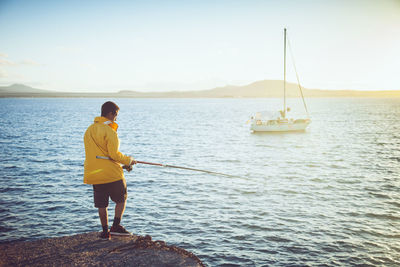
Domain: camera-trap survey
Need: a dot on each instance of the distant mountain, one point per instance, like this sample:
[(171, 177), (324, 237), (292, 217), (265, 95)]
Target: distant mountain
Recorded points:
[(21, 88), (264, 88)]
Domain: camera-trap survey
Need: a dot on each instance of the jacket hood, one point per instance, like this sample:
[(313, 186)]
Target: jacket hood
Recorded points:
[(106, 121)]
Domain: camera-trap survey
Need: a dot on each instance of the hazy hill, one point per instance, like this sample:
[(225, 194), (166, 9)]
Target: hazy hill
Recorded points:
[(21, 88), (265, 88)]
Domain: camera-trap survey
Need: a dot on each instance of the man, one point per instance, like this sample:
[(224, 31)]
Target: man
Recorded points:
[(103, 168)]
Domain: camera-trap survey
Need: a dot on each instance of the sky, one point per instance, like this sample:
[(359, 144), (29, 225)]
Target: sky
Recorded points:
[(107, 46)]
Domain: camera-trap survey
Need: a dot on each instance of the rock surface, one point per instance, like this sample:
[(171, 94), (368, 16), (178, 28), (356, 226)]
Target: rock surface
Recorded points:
[(88, 250)]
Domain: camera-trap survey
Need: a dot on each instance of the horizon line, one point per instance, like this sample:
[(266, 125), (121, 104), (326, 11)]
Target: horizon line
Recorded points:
[(189, 91)]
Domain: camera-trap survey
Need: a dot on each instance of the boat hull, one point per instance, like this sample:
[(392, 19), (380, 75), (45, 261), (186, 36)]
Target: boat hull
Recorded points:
[(278, 127)]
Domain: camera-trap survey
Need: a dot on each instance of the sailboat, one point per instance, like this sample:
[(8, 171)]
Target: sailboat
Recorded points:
[(261, 123)]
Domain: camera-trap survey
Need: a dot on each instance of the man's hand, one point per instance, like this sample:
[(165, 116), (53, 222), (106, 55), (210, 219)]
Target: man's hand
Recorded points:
[(127, 167), (133, 161)]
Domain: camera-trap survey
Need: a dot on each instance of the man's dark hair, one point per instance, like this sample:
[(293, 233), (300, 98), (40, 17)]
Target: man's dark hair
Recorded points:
[(108, 107)]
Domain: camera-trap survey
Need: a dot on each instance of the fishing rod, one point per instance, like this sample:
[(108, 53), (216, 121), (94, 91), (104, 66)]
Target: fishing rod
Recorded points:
[(129, 167), (186, 168)]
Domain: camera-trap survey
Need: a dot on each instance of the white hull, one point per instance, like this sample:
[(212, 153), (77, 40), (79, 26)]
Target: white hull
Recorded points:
[(275, 126)]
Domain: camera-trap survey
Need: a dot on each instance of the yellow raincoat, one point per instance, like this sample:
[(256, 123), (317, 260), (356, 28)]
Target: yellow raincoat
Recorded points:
[(101, 139)]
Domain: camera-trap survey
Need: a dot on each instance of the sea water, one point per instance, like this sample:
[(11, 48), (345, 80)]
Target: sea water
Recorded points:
[(326, 196)]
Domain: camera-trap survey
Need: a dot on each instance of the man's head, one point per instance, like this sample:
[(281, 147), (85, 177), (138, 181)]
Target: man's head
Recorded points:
[(110, 110)]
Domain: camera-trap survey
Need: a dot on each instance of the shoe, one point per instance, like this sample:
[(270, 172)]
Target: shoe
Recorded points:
[(119, 230), (105, 235)]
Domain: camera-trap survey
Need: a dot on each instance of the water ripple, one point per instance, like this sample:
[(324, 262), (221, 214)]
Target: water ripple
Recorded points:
[(326, 197)]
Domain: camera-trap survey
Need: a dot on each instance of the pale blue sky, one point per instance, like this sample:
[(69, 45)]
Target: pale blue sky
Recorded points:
[(192, 45)]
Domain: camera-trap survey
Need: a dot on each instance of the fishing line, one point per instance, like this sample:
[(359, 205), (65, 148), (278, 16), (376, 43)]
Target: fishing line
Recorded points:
[(187, 168), (176, 167)]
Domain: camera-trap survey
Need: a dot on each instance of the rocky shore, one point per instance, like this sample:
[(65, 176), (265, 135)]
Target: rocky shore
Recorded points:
[(88, 250)]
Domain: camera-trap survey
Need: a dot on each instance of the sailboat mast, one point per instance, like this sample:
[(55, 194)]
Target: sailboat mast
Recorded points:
[(284, 75)]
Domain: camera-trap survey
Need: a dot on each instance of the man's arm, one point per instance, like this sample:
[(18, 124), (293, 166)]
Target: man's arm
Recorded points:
[(113, 149)]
